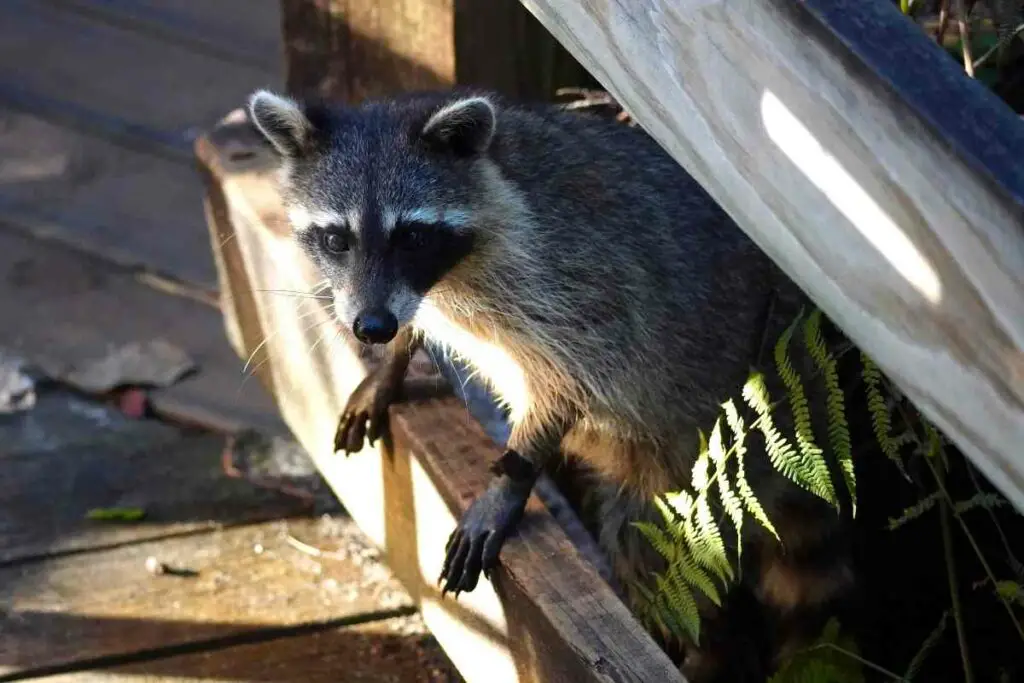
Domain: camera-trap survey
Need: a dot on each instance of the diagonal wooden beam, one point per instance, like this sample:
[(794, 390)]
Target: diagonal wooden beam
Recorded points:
[(884, 181)]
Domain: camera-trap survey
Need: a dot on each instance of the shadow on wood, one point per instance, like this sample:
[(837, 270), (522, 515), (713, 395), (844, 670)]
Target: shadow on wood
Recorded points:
[(363, 651), (352, 50)]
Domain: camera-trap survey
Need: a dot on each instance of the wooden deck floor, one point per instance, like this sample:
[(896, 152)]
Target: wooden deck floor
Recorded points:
[(100, 201)]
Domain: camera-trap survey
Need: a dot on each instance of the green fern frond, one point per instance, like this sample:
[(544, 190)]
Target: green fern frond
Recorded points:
[(679, 609), (730, 501), (649, 611), (781, 453), (658, 538), (807, 469), (813, 471), (916, 510), (880, 419), (746, 493), (709, 549), (838, 428), (704, 535), (675, 507), (1011, 591), (982, 500), (686, 572), (926, 647), (695, 541)]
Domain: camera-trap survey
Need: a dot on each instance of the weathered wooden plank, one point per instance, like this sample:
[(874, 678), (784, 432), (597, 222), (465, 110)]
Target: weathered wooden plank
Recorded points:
[(530, 626), (137, 209), (560, 620), (60, 419), (377, 652), (351, 50), (826, 129), (177, 480), (164, 85), (248, 31), (60, 309), (244, 579)]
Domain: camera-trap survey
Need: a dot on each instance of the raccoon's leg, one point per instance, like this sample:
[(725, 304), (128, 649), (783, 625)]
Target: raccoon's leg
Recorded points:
[(371, 398), (474, 545)]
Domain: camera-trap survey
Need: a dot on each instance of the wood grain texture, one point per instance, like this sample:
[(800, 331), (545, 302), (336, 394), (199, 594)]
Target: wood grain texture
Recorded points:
[(60, 309), (177, 480), (352, 50), (103, 604), (116, 71), (550, 616), (248, 31), (562, 621), (138, 209), (61, 419), (828, 130), (369, 653)]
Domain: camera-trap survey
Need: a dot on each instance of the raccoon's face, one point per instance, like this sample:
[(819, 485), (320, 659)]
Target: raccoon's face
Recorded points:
[(382, 197)]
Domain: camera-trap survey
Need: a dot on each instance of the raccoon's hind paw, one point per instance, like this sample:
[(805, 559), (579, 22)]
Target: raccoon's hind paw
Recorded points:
[(474, 545), (366, 413)]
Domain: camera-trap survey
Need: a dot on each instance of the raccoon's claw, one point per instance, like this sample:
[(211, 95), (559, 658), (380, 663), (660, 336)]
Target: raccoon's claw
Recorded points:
[(365, 415), (474, 545)]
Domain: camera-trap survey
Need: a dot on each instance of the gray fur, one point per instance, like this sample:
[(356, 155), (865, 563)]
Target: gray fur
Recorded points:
[(615, 269)]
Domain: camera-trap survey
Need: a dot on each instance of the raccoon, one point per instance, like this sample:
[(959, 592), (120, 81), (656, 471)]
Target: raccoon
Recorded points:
[(606, 299)]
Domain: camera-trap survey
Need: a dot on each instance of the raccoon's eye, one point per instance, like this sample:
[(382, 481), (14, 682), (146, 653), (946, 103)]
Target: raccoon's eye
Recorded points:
[(411, 236), (334, 241)]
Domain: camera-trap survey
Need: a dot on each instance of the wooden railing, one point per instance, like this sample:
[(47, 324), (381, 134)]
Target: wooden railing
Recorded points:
[(860, 157)]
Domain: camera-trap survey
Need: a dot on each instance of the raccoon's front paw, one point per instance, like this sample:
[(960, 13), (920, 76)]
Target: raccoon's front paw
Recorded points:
[(366, 413), (474, 545)]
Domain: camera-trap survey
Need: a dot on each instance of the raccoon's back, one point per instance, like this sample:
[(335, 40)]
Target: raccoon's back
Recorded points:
[(664, 303)]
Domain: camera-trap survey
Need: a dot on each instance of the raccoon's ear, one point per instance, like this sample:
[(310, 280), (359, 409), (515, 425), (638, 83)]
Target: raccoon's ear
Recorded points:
[(465, 126), (282, 122)]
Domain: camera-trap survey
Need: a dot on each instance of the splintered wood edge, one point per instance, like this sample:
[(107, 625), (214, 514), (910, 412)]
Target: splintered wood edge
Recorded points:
[(547, 615)]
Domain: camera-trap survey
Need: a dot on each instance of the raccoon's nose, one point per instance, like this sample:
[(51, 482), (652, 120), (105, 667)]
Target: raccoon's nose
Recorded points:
[(375, 327)]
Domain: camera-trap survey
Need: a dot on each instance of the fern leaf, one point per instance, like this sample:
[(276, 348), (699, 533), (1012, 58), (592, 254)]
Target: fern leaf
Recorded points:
[(730, 501), (659, 539), (675, 506), (687, 572), (916, 510), (810, 474), (933, 441), (679, 609), (689, 545), (880, 419), (1011, 591), (649, 610), (926, 647), (838, 429), (746, 493), (982, 500), (697, 538), (711, 553), (814, 470)]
